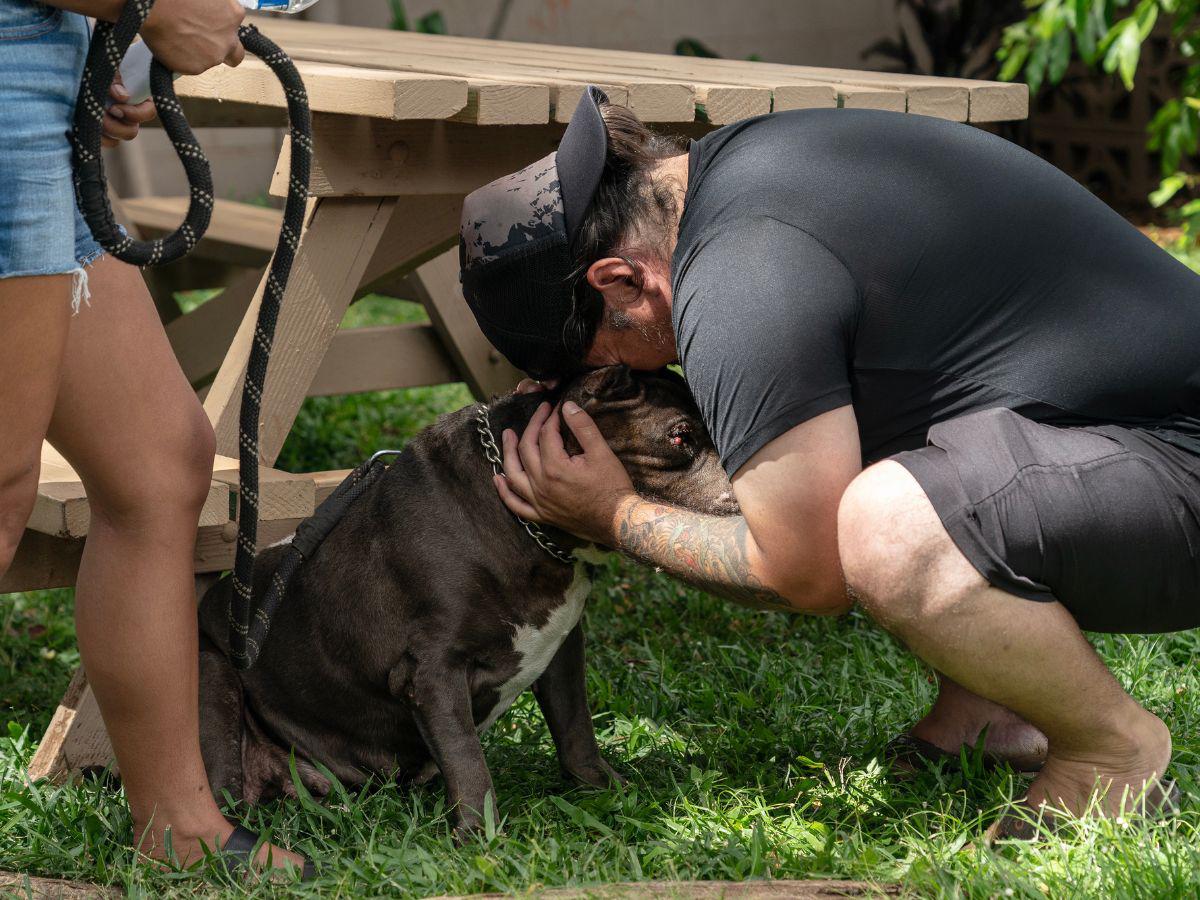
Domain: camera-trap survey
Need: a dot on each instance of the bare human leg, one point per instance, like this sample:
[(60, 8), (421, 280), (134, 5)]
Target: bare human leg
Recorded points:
[(34, 313), (1028, 657), (130, 424), (958, 717)]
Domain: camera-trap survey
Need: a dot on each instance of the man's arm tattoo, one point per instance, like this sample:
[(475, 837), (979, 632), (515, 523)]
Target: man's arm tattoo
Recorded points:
[(706, 551)]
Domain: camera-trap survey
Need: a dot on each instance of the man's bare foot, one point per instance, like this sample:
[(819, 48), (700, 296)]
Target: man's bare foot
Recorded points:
[(958, 717), (187, 847), (1121, 772), (1123, 778)]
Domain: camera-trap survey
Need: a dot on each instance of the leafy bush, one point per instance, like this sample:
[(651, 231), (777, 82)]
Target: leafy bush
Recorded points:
[(430, 23), (947, 37), (1109, 34)]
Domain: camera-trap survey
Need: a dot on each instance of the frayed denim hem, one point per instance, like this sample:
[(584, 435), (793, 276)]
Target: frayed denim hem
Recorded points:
[(81, 292)]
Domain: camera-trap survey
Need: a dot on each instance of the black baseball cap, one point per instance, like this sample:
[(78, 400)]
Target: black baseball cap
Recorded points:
[(515, 245)]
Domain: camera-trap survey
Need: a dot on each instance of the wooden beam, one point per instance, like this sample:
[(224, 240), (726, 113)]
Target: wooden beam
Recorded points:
[(43, 561), (505, 103), (436, 286), (852, 96), (565, 97), (423, 227), (335, 89), (281, 495), (813, 95), (62, 509), (327, 482), (383, 358), (75, 739), (727, 103), (240, 233), (202, 337), (205, 113), (337, 243), (357, 157)]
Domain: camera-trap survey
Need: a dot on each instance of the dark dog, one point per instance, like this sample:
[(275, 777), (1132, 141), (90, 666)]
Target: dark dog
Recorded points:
[(429, 608)]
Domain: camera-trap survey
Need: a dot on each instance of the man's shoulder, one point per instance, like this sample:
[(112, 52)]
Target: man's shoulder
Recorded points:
[(729, 256)]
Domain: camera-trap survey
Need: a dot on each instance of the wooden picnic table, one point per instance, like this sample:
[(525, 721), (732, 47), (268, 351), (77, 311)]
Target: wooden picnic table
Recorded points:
[(404, 126)]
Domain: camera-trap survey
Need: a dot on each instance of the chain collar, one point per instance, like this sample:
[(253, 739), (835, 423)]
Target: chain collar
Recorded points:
[(492, 452)]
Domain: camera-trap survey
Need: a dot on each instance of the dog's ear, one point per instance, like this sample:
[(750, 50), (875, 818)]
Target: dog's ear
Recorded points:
[(611, 383)]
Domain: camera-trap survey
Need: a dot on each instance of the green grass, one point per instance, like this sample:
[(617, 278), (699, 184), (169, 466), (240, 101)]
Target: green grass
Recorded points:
[(750, 740)]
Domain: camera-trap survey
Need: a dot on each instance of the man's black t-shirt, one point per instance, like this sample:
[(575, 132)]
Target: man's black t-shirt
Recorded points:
[(918, 269)]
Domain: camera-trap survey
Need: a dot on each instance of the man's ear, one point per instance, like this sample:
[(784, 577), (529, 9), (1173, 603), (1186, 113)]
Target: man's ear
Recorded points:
[(610, 384), (611, 272)]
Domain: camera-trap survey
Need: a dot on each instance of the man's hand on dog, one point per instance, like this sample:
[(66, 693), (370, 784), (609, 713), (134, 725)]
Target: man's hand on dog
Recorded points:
[(581, 494)]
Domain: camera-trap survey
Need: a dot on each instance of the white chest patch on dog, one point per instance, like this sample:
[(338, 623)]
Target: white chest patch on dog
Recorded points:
[(537, 646)]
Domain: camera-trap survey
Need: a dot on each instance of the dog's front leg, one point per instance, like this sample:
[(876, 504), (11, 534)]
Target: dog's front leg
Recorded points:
[(561, 692), (441, 706), (222, 721)]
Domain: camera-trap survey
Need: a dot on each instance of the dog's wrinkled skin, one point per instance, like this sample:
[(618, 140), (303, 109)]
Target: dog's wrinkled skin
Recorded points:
[(428, 609)]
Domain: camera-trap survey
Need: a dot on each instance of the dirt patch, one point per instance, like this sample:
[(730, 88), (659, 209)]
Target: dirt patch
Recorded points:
[(711, 890), (14, 884)]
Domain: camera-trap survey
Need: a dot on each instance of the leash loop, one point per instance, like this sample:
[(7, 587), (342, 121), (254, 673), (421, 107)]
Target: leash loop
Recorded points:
[(108, 47), (248, 624)]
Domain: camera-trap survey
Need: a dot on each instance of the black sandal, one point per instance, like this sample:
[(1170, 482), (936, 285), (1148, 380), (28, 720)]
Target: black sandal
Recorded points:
[(238, 854), (913, 753)]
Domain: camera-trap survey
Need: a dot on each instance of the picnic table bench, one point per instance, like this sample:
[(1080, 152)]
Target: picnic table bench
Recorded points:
[(404, 125)]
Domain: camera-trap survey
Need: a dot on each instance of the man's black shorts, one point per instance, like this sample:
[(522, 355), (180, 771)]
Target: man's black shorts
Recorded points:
[(1104, 519)]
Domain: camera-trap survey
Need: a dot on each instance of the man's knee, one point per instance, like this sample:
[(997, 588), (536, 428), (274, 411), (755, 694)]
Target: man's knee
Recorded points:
[(894, 550), (168, 477)]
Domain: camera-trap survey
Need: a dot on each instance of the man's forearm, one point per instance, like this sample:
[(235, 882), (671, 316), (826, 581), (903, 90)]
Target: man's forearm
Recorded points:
[(710, 552), (108, 10)]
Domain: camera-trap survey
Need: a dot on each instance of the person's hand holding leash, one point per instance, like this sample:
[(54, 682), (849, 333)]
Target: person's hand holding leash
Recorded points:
[(581, 494), (122, 120), (192, 36)]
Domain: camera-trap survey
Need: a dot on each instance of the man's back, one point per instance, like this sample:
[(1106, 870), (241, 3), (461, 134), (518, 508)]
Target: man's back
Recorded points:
[(919, 269)]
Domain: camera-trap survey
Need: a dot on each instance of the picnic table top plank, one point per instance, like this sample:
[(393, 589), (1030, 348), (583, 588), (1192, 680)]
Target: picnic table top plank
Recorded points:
[(335, 88), (710, 76), (505, 103), (658, 99), (957, 98), (643, 82), (986, 100)]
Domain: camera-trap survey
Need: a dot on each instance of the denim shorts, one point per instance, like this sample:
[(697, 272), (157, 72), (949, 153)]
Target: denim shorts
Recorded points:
[(42, 52)]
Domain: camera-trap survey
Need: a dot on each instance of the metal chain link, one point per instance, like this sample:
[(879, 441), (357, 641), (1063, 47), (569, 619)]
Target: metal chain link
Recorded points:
[(492, 453)]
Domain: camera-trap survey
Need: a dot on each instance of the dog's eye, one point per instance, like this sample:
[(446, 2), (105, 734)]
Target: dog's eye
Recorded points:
[(681, 435)]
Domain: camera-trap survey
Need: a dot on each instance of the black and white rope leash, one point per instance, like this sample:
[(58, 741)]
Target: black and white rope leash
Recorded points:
[(248, 625)]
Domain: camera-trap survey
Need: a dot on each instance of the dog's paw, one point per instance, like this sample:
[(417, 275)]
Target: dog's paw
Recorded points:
[(596, 773), (466, 830), (469, 830)]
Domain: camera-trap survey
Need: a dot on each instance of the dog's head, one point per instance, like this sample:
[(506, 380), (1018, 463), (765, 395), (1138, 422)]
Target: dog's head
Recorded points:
[(652, 424)]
